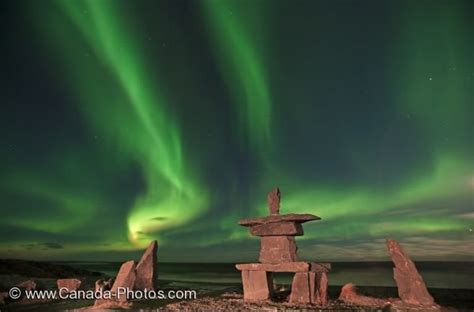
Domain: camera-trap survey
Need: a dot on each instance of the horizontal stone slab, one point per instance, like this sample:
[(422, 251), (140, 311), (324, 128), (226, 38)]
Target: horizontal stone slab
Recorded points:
[(292, 217), (277, 229), (299, 266)]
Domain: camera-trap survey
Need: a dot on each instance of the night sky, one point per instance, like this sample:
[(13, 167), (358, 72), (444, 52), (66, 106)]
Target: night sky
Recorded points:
[(127, 121)]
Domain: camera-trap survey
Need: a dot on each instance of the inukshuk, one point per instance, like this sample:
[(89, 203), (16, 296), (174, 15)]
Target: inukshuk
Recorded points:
[(278, 254)]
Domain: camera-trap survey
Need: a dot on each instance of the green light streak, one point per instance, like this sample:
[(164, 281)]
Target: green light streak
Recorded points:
[(139, 125), (434, 91), (366, 212), (68, 209), (242, 68)]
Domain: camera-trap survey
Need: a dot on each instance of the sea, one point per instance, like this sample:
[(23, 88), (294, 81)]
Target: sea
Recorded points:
[(444, 275)]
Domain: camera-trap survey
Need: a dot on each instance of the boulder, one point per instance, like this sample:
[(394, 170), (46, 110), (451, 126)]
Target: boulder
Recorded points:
[(258, 285), (277, 249), (411, 287), (349, 295), (69, 284), (146, 269)]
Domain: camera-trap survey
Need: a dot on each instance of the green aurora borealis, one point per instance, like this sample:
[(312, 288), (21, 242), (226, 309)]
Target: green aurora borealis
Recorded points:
[(171, 120)]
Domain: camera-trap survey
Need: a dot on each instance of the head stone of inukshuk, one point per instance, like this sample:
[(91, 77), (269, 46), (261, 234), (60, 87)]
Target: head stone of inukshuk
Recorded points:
[(274, 201)]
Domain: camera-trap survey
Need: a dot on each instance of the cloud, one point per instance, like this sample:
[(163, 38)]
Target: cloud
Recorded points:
[(43, 246)]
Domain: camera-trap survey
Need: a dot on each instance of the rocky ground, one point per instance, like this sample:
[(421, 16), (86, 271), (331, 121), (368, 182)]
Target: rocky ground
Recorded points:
[(210, 297), (235, 302)]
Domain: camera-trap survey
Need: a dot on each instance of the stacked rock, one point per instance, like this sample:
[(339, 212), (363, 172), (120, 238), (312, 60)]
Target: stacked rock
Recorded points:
[(278, 254)]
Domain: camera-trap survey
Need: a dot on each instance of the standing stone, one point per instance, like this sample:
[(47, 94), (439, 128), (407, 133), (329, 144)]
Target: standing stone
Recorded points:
[(68, 284), (312, 287), (321, 289), (300, 288), (411, 287), (146, 269), (258, 285), (273, 199), (125, 279), (277, 249)]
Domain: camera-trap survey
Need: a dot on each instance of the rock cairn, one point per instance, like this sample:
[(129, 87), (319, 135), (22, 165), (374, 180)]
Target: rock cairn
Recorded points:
[(278, 254)]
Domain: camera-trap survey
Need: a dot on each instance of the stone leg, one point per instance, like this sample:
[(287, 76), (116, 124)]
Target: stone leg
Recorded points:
[(300, 288), (312, 286), (321, 288), (258, 285)]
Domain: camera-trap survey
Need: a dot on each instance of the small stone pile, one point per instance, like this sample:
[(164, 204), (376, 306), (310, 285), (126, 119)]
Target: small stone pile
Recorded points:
[(278, 254)]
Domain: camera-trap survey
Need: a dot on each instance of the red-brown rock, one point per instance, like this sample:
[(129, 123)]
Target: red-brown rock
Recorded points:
[(292, 217), (146, 269), (277, 229), (258, 285), (312, 286), (68, 284), (277, 249), (126, 276), (277, 267), (273, 199), (349, 295), (298, 266), (320, 293), (300, 289), (125, 279), (411, 287)]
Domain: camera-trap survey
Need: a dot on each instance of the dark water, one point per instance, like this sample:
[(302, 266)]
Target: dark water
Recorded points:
[(451, 275)]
